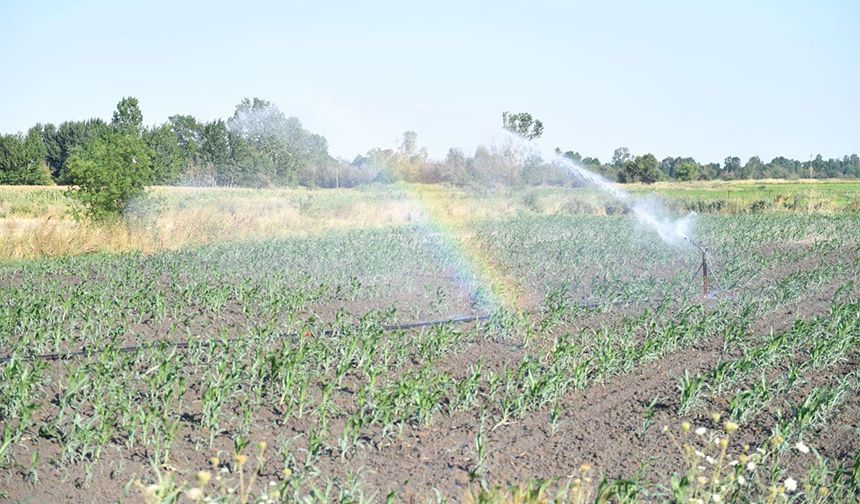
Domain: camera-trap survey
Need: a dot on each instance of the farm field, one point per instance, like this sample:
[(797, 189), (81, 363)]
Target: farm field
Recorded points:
[(40, 220), (272, 358)]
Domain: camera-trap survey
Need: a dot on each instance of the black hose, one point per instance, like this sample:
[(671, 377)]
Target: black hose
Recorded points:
[(461, 319), (458, 319)]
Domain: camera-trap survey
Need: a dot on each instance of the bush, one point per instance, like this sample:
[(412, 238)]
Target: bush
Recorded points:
[(613, 208), (576, 207), (759, 206), (531, 202), (108, 172)]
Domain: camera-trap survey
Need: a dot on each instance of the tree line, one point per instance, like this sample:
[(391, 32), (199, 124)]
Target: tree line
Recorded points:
[(260, 146)]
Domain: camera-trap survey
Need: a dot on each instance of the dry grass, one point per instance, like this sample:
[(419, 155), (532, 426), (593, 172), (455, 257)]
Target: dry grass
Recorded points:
[(38, 221)]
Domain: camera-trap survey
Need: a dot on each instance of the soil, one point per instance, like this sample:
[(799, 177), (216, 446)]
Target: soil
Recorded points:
[(603, 425)]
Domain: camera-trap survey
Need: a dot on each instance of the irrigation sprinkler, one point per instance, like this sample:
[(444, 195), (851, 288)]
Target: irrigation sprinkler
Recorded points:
[(703, 267)]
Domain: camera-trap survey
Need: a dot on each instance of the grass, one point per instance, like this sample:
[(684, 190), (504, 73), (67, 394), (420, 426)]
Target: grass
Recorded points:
[(799, 195), (40, 221)]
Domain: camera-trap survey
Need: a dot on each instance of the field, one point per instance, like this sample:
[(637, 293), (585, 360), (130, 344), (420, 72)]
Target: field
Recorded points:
[(39, 221), (260, 346)]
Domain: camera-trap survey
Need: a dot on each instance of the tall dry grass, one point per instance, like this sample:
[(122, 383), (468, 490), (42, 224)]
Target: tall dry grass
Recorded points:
[(172, 218)]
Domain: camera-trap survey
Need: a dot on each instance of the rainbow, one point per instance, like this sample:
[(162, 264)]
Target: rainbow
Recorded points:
[(492, 288)]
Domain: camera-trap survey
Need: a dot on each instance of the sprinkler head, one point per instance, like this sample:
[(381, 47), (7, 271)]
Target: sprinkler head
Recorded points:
[(694, 243)]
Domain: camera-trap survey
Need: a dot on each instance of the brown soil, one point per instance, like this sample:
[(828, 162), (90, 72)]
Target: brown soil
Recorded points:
[(603, 425)]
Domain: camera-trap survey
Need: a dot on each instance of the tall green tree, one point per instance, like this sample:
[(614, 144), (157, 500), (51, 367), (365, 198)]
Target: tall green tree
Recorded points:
[(60, 141), (22, 159), (128, 118), (643, 168), (731, 167), (244, 166), (620, 156), (189, 135), (753, 169), (167, 156), (290, 149), (109, 171), (686, 170), (522, 124)]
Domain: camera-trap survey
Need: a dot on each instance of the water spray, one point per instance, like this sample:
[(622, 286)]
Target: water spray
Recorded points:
[(647, 211)]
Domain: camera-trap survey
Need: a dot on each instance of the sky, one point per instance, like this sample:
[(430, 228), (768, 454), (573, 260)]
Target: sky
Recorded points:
[(677, 78)]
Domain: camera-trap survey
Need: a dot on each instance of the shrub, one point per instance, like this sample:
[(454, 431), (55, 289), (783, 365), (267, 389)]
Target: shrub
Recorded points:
[(576, 207), (530, 201), (108, 172), (759, 206)]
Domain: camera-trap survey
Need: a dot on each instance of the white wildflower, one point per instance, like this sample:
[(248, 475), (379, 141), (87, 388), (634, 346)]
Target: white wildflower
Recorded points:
[(701, 431), (801, 447), (751, 466), (790, 484)]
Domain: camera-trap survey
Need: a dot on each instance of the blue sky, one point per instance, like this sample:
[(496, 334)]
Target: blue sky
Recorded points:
[(670, 78)]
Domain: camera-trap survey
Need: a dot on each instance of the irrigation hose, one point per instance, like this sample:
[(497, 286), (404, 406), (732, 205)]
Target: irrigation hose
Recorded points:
[(459, 319)]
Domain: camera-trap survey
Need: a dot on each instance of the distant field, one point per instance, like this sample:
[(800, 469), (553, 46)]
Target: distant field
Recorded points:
[(800, 195), (39, 221)]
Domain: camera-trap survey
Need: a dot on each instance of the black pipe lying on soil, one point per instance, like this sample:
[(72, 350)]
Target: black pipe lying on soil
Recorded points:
[(459, 319)]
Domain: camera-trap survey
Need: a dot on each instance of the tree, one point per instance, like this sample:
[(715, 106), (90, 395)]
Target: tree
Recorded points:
[(245, 166), (753, 169), (851, 165), (189, 135), (60, 141), (290, 148), (686, 170), (167, 155), (109, 171), (590, 162), (214, 157), (522, 124), (573, 156), (22, 159), (409, 143), (709, 171), (453, 169), (731, 167), (667, 166), (620, 156), (127, 118), (640, 169), (679, 168), (383, 163)]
